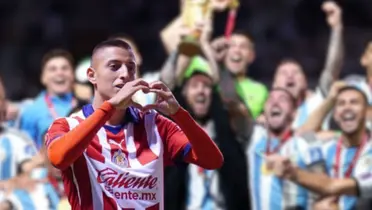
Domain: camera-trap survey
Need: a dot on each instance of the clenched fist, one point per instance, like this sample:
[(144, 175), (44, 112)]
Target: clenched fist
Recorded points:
[(333, 13)]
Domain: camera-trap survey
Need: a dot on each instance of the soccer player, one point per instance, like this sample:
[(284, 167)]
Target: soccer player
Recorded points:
[(235, 56), (290, 74), (347, 159), (269, 192), (112, 155)]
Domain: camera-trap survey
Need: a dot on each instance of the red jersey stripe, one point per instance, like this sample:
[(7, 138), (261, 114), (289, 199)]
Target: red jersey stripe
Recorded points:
[(143, 151)]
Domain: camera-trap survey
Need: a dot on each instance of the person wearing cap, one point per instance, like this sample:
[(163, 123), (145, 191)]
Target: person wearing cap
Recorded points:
[(198, 93)]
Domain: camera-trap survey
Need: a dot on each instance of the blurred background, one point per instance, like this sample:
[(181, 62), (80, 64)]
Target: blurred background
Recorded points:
[(285, 28)]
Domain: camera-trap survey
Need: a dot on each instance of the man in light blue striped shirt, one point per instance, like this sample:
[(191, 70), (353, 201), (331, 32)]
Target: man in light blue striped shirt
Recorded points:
[(267, 191)]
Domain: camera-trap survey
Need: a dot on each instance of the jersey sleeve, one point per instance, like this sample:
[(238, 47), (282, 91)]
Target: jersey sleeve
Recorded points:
[(306, 152), (58, 128), (176, 144)]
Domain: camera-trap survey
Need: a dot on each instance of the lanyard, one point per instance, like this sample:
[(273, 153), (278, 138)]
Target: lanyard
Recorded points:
[(285, 137), (50, 106), (353, 162)]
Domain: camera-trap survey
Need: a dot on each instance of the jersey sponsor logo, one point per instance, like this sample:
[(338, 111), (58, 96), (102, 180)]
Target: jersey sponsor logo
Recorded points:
[(29, 150), (112, 178), (315, 155), (119, 159)]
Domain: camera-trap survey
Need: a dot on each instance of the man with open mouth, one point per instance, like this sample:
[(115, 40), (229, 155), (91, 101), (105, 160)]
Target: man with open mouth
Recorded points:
[(267, 191), (290, 74), (347, 159), (56, 100)]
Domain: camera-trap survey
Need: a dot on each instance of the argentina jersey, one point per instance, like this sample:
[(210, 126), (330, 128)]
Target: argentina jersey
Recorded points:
[(42, 197), (344, 162), (267, 191), (15, 148), (311, 103)]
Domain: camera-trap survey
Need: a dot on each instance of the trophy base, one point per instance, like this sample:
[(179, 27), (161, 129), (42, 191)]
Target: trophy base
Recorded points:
[(189, 47)]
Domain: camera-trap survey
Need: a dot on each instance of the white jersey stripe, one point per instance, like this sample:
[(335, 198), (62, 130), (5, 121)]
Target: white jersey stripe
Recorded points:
[(152, 137)]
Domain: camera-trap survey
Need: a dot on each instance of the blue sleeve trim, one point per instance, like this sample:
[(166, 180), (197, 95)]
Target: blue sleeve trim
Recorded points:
[(186, 150)]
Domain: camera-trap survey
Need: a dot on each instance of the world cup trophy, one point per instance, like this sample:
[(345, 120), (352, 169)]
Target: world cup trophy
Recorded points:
[(193, 12)]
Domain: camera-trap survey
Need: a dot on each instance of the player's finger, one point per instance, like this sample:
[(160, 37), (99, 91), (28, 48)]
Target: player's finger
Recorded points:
[(138, 82), (161, 93), (144, 88), (159, 85)]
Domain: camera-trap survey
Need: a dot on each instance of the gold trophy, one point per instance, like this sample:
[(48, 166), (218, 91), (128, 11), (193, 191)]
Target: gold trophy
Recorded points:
[(193, 11)]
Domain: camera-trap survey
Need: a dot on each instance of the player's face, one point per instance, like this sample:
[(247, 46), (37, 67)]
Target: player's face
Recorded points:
[(290, 76), (279, 110), (366, 59), (58, 76), (112, 68), (239, 54), (350, 111), (198, 94)]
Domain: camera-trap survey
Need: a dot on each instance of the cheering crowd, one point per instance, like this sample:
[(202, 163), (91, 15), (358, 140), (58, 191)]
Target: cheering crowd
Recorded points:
[(284, 146)]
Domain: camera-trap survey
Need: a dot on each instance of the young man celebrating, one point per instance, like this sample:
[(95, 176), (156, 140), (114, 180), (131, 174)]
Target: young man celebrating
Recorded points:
[(55, 101), (111, 154), (347, 159)]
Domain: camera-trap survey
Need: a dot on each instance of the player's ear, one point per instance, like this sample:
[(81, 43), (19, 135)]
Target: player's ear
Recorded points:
[(91, 74)]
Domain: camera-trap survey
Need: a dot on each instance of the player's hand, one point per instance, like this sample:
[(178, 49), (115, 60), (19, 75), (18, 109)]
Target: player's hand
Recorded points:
[(220, 46), (280, 166), (328, 203), (123, 98), (335, 89), (333, 13), (165, 102)]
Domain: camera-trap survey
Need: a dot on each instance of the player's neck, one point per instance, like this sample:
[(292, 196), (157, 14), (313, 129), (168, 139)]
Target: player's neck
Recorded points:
[(117, 117), (369, 75), (354, 139)]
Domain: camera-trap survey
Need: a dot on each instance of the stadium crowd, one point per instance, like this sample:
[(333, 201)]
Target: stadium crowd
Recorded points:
[(284, 146)]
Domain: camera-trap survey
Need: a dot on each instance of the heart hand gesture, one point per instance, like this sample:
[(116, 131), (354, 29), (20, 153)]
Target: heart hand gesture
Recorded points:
[(165, 102)]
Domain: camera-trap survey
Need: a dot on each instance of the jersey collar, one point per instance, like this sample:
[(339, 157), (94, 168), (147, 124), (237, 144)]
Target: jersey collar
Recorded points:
[(131, 114)]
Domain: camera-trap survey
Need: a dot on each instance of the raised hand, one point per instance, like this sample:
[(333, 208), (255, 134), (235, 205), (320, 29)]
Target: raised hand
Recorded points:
[(123, 98), (280, 166), (220, 46), (335, 89), (165, 102), (333, 13)]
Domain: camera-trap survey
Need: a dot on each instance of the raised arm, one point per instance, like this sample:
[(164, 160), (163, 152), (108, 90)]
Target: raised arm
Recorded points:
[(241, 118), (335, 54), (315, 121), (171, 34), (208, 51)]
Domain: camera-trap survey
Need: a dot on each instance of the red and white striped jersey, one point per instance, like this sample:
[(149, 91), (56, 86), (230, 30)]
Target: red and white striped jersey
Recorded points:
[(123, 167)]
